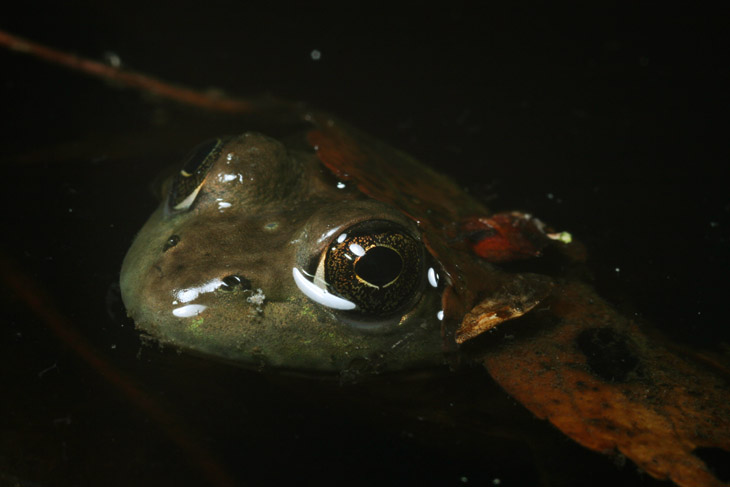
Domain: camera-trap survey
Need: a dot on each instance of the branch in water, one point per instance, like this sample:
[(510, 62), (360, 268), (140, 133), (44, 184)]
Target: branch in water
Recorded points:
[(140, 81)]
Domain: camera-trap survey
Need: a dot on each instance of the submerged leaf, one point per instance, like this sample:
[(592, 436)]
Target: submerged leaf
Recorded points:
[(608, 386)]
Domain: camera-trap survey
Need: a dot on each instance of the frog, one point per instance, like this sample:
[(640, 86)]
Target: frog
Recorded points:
[(328, 251), (261, 256), (234, 265)]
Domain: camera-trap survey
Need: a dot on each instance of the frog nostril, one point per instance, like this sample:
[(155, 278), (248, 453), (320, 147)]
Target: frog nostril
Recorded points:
[(171, 242), (235, 281)]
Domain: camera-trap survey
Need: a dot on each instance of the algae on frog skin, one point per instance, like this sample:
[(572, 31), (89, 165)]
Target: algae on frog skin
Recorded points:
[(195, 325), (306, 311)]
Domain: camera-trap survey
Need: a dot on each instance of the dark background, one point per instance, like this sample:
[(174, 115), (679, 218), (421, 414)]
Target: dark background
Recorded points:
[(608, 121)]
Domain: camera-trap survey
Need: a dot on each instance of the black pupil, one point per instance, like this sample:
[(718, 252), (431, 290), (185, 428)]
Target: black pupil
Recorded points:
[(379, 266)]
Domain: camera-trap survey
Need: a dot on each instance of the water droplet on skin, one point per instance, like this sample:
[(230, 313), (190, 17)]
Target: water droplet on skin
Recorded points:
[(225, 178), (189, 310), (189, 294)]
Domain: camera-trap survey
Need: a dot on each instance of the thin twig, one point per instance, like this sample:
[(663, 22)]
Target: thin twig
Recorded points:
[(142, 82)]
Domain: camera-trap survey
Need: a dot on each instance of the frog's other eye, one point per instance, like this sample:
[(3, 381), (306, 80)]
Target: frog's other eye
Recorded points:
[(375, 265), (187, 183)]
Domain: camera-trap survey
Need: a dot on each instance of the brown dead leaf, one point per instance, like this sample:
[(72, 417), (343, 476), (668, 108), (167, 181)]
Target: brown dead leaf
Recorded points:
[(605, 384), (512, 300)]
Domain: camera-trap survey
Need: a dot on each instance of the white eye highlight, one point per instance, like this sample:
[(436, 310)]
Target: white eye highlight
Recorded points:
[(319, 295), (433, 277), (357, 249)]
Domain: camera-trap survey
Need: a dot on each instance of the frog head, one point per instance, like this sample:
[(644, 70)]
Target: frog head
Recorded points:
[(258, 255)]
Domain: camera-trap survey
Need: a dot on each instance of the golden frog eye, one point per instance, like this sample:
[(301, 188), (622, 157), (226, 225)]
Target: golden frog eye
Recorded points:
[(188, 181), (377, 266)]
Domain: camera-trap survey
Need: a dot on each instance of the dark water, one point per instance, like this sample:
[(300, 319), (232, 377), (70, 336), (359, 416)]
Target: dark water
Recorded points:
[(606, 122)]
